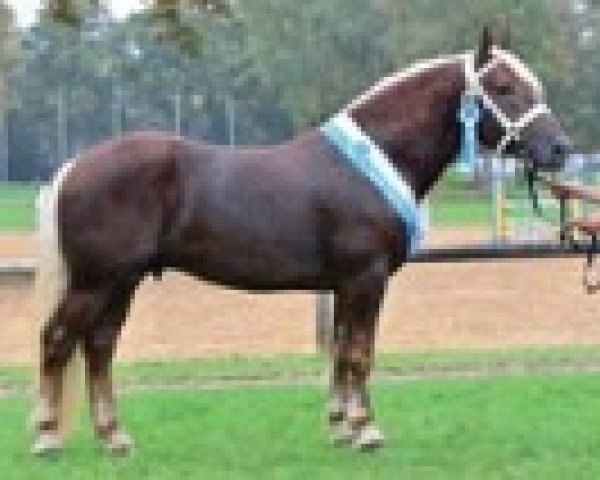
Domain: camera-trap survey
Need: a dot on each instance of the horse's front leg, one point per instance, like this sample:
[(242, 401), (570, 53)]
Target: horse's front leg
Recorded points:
[(358, 300)]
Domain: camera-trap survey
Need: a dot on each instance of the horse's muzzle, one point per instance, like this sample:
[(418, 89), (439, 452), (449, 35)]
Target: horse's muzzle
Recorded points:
[(549, 156)]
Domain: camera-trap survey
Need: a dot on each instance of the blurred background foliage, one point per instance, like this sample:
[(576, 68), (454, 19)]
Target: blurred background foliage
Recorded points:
[(256, 71)]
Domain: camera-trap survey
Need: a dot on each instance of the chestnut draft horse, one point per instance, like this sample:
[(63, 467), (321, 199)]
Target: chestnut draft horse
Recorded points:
[(336, 208)]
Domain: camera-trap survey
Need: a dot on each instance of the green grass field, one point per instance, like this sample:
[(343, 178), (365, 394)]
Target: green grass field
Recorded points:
[(529, 426), (17, 206)]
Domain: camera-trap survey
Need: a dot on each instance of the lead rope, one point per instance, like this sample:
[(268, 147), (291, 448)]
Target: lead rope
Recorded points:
[(591, 279), (531, 177)]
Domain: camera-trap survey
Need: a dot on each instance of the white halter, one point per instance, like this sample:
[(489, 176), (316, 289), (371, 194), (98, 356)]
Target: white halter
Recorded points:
[(512, 129)]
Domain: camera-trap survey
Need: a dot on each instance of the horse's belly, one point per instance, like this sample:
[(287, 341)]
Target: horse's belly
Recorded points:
[(238, 260)]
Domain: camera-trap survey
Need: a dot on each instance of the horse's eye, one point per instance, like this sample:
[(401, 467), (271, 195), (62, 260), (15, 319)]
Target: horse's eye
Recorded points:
[(504, 90)]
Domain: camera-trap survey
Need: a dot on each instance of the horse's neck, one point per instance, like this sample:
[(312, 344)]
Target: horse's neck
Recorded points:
[(416, 123)]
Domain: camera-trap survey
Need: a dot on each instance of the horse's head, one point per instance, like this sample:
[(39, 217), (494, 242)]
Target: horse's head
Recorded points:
[(516, 118)]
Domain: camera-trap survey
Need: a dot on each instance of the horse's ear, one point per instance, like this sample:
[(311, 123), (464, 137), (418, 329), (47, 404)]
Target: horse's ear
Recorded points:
[(485, 46), (506, 41), (500, 32)]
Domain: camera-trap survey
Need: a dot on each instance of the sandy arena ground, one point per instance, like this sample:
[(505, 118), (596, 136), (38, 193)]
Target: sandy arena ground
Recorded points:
[(533, 302)]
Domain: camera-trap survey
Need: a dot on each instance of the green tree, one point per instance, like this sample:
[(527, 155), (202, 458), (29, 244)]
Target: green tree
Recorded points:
[(68, 12), (10, 51), (281, 65)]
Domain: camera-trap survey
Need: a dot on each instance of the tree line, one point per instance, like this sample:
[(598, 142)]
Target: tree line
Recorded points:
[(255, 72)]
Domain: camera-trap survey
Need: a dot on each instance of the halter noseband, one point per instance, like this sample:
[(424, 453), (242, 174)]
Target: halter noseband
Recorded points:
[(473, 76)]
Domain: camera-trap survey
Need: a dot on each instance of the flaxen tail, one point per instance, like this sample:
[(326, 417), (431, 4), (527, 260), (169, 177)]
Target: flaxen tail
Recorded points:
[(51, 283)]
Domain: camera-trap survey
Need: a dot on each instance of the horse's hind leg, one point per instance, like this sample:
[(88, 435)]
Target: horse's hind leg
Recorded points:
[(99, 342), (357, 306), (59, 337)]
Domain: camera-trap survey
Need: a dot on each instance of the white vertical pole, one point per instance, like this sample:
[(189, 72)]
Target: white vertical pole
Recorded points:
[(178, 110), (499, 232), (183, 6), (425, 217), (230, 105), (117, 110), (494, 199), (4, 143), (61, 126)]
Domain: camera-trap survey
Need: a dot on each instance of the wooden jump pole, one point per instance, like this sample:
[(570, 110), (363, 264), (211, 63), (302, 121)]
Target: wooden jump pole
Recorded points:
[(499, 227)]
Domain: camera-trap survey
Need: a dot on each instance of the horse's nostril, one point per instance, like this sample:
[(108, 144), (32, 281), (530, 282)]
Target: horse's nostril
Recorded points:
[(560, 149)]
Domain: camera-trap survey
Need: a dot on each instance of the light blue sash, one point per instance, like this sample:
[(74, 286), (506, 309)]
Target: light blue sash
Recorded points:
[(371, 162), (368, 159)]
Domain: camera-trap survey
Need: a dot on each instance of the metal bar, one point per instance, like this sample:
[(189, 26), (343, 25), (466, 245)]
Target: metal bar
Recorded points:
[(17, 270), (503, 252)]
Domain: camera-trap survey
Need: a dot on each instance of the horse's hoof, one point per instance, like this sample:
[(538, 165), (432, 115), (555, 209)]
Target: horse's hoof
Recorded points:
[(46, 444), (341, 433), (118, 444), (368, 438)]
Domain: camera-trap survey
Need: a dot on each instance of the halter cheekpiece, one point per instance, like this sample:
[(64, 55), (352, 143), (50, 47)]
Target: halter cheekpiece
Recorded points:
[(474, 89), (365, 156)]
